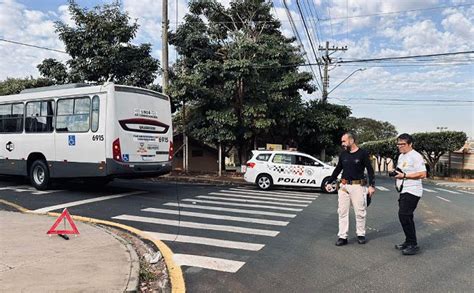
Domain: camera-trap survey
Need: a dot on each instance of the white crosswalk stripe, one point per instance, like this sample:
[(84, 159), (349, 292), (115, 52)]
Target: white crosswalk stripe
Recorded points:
[(240, 211), (252, 200), (242, 205), (448, 191), (206, 241), (309, 195), (259, 197), (86, 201), (195, 225), (270, 194), (217, 217), (442, 198), (429, 190), (276, 191), (26, 188), (382, 188), (468, 192), (212, 263)]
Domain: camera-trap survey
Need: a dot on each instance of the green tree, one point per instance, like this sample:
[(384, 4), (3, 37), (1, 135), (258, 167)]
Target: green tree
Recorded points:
[(371, 130), (320, 127), (100, 48), (12, 86), (54, 70), (237, 71), (432, 145), (383, 150)]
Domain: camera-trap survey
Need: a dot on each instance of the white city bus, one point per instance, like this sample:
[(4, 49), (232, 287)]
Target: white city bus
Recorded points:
[(77, 130)]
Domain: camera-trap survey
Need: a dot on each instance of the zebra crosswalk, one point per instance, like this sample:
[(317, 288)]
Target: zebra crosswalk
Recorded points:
[(238, 220)]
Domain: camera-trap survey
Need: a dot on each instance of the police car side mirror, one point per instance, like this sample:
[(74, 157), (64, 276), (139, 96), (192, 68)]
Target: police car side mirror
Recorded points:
[(316, 164)]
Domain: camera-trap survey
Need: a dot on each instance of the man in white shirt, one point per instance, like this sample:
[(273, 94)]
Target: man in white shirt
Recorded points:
[(413, 169)]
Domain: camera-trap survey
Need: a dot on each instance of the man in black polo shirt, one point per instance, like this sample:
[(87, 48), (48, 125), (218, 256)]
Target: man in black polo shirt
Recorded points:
[(352, 162)]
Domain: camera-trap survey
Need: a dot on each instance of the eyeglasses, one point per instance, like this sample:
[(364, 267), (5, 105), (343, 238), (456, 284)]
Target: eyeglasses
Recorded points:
[(402, 143)]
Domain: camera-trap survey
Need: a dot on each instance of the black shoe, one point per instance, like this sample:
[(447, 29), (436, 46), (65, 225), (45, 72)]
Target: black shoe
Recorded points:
[(341, 242), (401, 246), (361, 239), (411, 250)]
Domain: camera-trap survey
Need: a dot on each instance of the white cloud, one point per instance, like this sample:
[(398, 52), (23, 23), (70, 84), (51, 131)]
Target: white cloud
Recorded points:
[(459, 25), (32, 27)]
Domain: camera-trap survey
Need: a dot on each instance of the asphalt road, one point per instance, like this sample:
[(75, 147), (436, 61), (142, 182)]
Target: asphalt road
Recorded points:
[(239, 239)]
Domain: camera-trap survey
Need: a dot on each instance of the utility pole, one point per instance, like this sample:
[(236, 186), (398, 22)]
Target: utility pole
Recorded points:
[(164, 61), (164, 45), (327, 61)]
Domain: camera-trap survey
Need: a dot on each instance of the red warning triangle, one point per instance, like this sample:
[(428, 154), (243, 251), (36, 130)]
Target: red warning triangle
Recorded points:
[(64, 214)]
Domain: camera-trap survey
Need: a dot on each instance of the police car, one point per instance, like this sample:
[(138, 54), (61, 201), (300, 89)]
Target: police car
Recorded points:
[(286, 168)]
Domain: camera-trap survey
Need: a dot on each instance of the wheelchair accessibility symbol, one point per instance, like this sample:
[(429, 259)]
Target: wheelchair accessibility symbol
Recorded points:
[(72, 140), (10, 146)]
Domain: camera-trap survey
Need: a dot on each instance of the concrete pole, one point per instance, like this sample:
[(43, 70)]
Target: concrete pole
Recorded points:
[(220, 159)]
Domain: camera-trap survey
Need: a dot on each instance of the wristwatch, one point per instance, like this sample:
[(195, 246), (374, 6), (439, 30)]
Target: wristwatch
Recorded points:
[(404, 175)]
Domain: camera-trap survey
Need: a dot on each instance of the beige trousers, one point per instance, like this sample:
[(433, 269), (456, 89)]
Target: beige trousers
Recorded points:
[(357, 195)]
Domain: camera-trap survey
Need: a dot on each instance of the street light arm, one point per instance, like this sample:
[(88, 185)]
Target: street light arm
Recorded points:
[(360, 69)]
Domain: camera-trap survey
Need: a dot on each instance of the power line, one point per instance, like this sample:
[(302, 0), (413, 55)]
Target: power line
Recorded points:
[(409, 100), (337, 18), (330, 21), (317, 39), (298, 37), (309, 38), (395, 12), (407, 57), (30, 45)]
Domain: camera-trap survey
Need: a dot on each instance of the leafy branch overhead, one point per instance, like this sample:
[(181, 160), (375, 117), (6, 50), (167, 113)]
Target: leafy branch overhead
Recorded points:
[(99, 44)]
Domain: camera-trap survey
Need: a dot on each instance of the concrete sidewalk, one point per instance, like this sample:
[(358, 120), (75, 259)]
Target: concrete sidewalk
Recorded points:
[(31, 261)]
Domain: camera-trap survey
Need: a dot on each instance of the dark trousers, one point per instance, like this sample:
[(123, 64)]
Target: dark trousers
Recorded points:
[(407, 204)]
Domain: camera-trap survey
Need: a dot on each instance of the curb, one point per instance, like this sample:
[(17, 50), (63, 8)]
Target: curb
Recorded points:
[(449, 185), (174, 270), (133, 281), (202, 181)]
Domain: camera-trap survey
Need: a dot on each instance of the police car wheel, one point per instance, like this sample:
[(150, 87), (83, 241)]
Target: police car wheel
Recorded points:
[(264, 182), (326, 181), (39, 175)]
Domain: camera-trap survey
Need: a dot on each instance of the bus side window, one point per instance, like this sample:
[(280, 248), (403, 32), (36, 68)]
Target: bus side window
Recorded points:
[(73, 115), (11, 118), (95, 114), (39, 116)]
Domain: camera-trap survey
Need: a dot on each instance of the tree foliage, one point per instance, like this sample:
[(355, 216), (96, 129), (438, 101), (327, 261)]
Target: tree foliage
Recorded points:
[(432, 145), (371, 130), (100, 47), (12, 86), (383, 150), (320, 126), (237, 71)]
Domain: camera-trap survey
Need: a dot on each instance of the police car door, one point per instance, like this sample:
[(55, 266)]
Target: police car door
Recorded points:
[(283, 169), (311, 171)]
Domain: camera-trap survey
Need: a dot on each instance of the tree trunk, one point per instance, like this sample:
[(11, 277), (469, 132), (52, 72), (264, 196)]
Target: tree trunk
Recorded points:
[(379, 164)]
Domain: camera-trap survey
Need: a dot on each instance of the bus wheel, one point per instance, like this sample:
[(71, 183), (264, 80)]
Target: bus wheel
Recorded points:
[(39, 175)]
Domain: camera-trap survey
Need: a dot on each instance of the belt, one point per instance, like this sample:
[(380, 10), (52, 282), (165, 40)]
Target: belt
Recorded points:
[(354, 182)]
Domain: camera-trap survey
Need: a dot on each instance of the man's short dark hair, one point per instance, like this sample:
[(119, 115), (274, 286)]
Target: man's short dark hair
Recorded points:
[(352, 135), (406, 137)]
